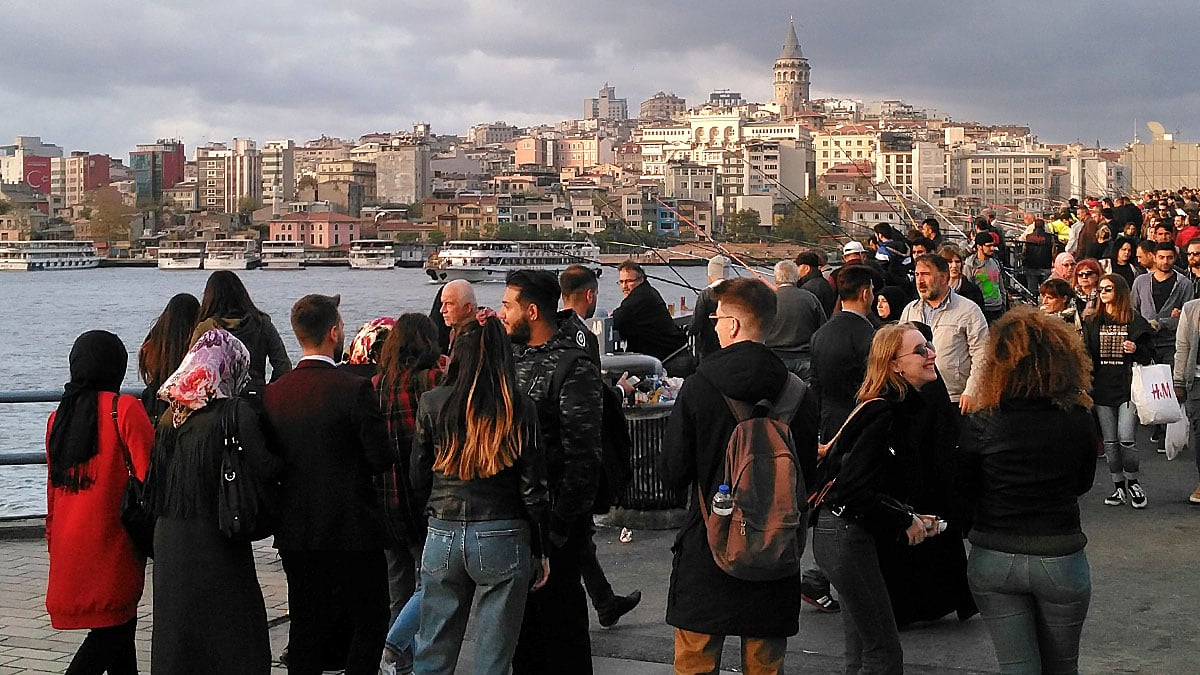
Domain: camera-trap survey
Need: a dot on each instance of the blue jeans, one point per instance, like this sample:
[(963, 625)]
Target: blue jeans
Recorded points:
[(403, 632), (492, 555), (846, 553), (1034, 607), (1118, 424)]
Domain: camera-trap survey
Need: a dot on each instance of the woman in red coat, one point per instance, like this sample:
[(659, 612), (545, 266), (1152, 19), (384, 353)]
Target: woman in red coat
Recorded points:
[(96, 576)]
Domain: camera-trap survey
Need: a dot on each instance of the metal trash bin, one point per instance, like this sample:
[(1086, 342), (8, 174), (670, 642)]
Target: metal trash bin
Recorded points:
[(646, 492)]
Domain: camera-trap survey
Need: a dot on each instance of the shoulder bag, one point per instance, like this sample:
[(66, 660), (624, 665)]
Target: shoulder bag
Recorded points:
[(247, 506), (136, 515)]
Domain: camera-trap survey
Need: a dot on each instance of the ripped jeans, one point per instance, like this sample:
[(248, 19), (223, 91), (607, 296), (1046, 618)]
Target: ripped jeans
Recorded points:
[(1118, 424)]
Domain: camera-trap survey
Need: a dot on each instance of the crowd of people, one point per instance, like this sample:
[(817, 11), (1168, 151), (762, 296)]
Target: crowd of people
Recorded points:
[(451, 462)]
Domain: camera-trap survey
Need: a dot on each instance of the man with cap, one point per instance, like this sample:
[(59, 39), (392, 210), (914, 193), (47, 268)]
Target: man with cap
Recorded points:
[(853, 252), (983, 269), (703, 328), (808, 266)]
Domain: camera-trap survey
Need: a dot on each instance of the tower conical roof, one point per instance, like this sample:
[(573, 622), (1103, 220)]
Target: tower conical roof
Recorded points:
[(791, 46)]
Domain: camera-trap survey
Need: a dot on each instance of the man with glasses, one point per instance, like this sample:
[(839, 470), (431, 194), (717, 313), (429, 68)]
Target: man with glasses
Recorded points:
[(1193, 265), (983, 269), (960, 331), (642, 318)]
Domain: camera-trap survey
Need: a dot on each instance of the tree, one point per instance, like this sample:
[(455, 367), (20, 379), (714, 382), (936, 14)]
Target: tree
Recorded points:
[(743, 225), (808, 219), (5, 206), (110, 216), (247, 205), (309, 182), (406, 237), (436, 237)]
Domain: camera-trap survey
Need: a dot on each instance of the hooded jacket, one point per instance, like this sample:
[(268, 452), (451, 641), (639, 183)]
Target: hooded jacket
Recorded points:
[(703, 598), (260, 337), (570, 420)]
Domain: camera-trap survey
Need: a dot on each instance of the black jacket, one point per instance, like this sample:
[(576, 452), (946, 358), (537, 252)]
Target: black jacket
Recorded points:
[(703, 598), (816, 284), (702, 328), (839, 363), (570, 423), (645, 325), (1021, 470), (516, 492), (261, 339)]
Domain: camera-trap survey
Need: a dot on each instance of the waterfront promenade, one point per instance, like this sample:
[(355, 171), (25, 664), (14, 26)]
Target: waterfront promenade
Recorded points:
[(1142, 619)]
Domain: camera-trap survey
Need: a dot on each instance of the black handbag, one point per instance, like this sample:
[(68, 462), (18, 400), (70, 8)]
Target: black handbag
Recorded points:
[(136, 515), (247, 506)]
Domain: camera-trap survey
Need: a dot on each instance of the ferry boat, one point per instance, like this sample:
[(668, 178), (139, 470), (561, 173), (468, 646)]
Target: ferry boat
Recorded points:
[(493, 260), (181, 254), (283, 255), (372, 254), (51, 254), (231, 254)]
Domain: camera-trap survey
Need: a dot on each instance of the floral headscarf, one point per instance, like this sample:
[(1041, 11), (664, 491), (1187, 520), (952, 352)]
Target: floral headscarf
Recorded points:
[(217, 366), (368, 340)]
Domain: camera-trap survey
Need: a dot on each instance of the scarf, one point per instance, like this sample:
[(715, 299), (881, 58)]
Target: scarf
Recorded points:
[(369, 340), (98, 359), (217, 366)]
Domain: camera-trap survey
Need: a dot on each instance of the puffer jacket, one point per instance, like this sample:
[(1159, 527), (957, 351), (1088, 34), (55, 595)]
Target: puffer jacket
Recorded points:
[(518, 491), (570, 424)]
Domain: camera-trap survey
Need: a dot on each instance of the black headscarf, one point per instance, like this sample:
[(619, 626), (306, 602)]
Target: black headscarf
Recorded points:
[(98, 360)]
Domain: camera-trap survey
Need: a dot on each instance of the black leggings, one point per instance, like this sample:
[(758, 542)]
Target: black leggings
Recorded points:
[(108, 649)]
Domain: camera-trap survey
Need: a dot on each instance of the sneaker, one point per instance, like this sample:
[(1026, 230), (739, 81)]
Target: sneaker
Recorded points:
[(619, 606), (1137, 496), (1195, 498), (1117, 498), (823, 601)]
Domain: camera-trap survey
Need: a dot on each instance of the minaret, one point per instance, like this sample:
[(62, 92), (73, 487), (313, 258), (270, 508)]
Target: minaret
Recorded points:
[(791, 77)]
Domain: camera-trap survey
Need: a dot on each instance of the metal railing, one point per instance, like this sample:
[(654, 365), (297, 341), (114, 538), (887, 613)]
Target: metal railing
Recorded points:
[(35, 396)]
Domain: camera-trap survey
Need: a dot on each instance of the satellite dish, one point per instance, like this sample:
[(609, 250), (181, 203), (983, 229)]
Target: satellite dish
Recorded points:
[(1156, 130)]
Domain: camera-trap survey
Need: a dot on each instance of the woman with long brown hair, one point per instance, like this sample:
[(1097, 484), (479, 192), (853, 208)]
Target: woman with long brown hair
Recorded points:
[(226, 304), (1117, 337), (162, 351), (871, 471), (1025, 458), (476, 455)]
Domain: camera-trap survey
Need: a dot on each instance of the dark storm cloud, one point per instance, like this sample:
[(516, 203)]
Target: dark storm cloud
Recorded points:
[(105, 78)]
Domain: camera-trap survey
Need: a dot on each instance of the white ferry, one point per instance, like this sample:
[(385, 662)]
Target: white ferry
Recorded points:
[(283, 255), (231, 254), (493, 260), (372, 254), (181, 254), (51, 254)]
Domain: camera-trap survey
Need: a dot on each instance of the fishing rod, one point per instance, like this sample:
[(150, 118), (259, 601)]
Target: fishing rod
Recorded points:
[(723, 250), (870, 181), (797, 201), (629, 228)]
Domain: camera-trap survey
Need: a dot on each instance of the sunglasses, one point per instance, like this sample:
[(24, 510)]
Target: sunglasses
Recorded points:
[(922, 351), (1106, 289), (1087, 273)]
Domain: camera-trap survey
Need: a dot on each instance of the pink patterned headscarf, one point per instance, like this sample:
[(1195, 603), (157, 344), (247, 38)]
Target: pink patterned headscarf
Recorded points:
[(217, 366), (368, 339)]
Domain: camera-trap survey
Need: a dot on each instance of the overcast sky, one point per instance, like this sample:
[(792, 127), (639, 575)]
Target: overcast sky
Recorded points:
[(105, 76)]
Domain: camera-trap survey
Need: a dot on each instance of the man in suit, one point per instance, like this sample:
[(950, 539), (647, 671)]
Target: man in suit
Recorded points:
[(333, 438)]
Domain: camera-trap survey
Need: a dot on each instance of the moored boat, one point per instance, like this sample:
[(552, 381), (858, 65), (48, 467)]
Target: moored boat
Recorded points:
[(47, 255), (372, 254), (493, 260), (231, 254), (283, 255), (181, 254)]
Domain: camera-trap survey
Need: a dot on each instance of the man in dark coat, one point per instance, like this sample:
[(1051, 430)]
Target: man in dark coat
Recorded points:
[(642, 318), (704, 603), (333, 438), (840, 349), (811, 280), (554, 632)]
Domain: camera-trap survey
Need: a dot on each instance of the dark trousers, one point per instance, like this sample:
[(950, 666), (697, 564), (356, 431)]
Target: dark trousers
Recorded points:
[(598, 589), (554, 634), (108, 649), (361, 580)]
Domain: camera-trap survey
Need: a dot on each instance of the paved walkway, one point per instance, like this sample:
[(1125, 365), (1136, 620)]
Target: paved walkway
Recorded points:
[(1142, 618)]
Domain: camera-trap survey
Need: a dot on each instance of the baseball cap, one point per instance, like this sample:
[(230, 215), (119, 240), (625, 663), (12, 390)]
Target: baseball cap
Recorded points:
[(853, 247)]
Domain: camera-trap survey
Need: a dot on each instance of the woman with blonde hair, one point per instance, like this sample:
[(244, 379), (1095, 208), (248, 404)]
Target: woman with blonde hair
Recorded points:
[(870, 474), (476, 455), (1026, 457)]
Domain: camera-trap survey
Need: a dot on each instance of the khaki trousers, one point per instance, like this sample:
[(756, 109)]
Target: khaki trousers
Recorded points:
[(700, 654)]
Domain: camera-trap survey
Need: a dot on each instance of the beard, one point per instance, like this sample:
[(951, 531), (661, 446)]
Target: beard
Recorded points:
[(339, 350), (519, 332)]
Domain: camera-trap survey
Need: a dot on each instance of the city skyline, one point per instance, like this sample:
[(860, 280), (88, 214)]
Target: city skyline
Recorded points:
[(105, 80)]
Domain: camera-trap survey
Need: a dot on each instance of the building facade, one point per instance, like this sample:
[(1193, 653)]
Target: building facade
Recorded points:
[(662, 106), (229, 178), (606, 105), (792, 77), (156, 166), (278, 171)]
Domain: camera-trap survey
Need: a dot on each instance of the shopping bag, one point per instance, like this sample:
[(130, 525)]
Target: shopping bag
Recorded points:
[(1153, 394), (1177, 435)]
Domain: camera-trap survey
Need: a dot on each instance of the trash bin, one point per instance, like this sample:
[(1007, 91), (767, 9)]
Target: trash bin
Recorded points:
[(646, 492)]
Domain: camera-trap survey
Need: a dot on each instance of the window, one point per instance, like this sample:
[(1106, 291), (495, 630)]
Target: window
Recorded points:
[(976, 170)]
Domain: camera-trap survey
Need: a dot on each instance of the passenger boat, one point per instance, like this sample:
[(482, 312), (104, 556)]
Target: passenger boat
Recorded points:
[(283, 255), (372, 254), (181, 254), (231, 254), (52, 254), (493, 260)]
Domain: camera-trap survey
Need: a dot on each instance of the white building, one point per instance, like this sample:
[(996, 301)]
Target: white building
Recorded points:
[(904, 166), (278, 172), (844, 145), (227, 175), (15, 164), (1011, 178), (606, 105)]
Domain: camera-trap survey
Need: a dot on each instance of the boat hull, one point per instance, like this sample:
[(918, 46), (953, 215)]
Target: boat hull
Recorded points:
[(52, 265), (485, 274), (372, 263), (180, 263), (231, 263)]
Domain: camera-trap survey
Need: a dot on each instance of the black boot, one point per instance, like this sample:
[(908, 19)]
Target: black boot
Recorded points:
[(619, 605)]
